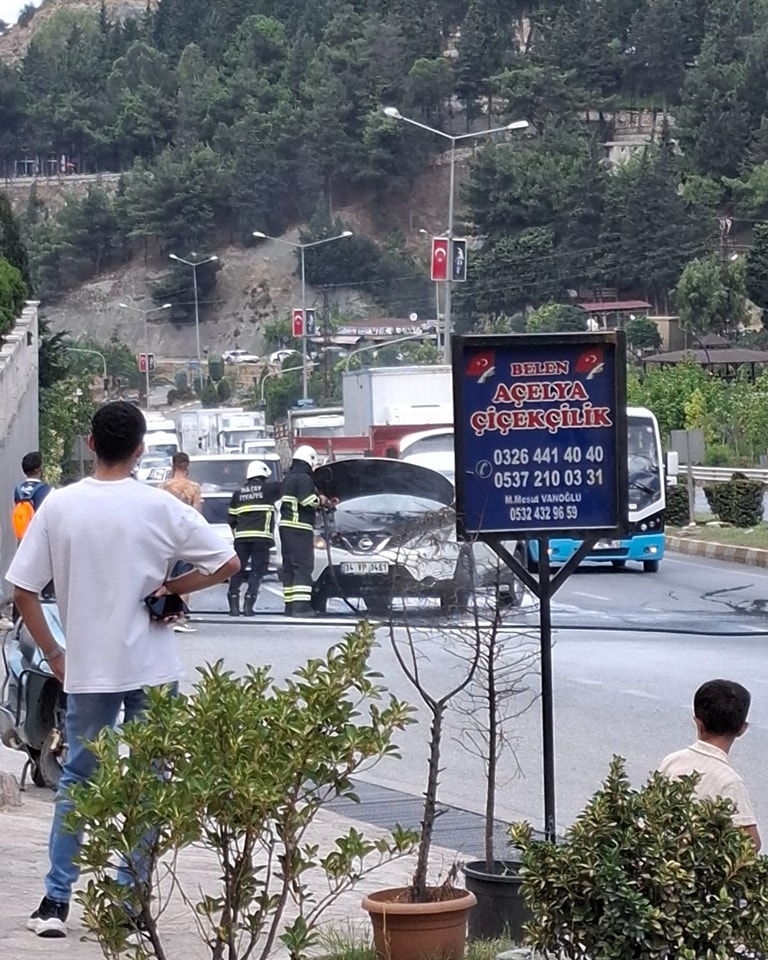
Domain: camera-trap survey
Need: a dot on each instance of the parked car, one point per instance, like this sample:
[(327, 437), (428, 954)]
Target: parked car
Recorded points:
[(393, 534), (153, 469), (239, 356), (280, 356)]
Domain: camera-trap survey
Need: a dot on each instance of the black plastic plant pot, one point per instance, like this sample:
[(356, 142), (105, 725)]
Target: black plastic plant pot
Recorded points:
[(500, 910)]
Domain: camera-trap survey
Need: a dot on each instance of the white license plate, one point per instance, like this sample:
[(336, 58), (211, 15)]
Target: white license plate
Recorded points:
[(608, 545), (367, 566)]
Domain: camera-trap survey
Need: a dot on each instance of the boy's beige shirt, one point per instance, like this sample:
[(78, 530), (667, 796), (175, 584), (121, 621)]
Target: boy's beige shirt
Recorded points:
[(717, 777)]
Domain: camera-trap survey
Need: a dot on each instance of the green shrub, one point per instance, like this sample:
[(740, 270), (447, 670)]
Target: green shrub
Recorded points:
[(224, 390), (718, 455), (249, 763), (649, 874), (677, 514), (739, 501), (215, 367)]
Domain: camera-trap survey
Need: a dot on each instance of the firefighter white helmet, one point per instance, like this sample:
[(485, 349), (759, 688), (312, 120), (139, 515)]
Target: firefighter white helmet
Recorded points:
[(306, 454), (257, 468)]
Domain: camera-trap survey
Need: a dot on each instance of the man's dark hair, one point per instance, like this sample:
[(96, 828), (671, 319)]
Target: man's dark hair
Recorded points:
[(722, 706), (31, 463), (180, 460), (117, 429)]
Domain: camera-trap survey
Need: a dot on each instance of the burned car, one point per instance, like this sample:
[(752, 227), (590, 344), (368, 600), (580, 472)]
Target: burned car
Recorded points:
[(393, 534)]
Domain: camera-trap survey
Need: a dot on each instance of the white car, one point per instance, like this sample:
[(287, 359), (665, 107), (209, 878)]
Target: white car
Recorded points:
[(393, 534), (219, 475), (280, 356), (239, 356)]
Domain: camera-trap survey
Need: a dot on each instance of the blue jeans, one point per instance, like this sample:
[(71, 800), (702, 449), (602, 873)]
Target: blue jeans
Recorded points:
[(87, 715)]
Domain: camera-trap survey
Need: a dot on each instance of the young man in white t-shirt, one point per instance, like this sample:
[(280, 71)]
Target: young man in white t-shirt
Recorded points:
[(720, 709), (107, 542)]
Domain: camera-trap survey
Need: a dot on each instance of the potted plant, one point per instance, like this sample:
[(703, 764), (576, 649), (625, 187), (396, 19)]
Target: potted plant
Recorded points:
[(500, 692), (646, 875), (423, 919)]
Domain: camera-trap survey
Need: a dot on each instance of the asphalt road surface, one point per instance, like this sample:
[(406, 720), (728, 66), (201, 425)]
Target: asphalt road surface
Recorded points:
[(630, 649)]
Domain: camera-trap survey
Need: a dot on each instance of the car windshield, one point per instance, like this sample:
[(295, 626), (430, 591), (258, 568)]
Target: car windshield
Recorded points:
[(222, 476), (643, 464), (439, 443), (388, 512), (162, 449)]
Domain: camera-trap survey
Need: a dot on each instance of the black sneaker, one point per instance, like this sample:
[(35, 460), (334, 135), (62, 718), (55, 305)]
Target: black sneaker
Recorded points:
[(135, 927), (50, 919)]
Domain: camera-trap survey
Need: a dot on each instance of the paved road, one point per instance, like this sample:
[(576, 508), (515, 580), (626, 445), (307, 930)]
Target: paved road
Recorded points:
[(630, 649)]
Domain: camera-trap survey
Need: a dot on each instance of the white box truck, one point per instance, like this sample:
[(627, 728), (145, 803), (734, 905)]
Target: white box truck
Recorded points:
[(396, 396)]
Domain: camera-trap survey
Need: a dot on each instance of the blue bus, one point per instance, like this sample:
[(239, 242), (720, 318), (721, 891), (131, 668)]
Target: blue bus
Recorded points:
[(647, 500)]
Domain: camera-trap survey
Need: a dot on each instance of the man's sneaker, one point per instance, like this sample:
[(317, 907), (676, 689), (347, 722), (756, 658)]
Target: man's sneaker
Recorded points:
[(50, 919), (136, 931), (183, 627)]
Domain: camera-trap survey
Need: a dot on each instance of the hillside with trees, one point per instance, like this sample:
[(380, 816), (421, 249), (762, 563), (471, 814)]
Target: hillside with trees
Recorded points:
[(255, 114)]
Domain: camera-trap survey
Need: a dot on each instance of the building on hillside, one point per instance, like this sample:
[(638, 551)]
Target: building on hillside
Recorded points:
[(726, 362), (613, 314)]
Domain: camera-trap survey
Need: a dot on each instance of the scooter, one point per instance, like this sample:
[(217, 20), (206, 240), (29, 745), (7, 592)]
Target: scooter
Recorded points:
[(33, 703)]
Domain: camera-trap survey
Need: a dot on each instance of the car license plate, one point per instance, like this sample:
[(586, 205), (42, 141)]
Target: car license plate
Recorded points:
[(608, 545), (365, 566)]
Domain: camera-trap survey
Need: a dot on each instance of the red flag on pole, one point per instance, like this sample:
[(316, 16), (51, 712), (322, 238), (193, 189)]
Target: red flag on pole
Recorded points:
[(298, 323), (439, 258)]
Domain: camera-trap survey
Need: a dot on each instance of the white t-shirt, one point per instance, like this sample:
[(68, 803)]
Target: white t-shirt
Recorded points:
[(717, 778), (107, 545)]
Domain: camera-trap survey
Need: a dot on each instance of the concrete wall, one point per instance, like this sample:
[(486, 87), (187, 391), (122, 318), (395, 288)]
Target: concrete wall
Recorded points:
[(18, 420)]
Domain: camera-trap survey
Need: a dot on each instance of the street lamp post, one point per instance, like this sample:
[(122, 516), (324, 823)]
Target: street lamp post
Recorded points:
[(275, 373), (195, 264), (301, 247), (94, 353), (377, 346), (145, 314), (395, 114)]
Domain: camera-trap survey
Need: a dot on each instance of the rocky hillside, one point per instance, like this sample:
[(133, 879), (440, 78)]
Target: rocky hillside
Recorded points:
[(16, 39)]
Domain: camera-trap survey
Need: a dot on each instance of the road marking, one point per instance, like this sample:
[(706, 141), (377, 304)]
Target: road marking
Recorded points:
[(640, 693), (715, 563), (587, 681), (591, 596)]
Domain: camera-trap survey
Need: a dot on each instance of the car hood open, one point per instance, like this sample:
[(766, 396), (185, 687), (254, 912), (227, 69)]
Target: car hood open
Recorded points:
[(365, 477)]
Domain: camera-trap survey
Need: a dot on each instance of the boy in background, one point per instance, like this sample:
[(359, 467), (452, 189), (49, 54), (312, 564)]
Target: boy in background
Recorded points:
[(720, 709)]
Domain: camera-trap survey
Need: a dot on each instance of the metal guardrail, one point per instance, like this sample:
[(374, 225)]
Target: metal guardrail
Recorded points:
[(722, 474)]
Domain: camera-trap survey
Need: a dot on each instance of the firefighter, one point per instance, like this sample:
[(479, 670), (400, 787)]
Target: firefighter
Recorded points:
[(252, 518), (299, 504)]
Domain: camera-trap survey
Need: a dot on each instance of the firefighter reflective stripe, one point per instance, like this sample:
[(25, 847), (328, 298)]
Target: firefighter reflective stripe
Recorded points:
[(291, 513), (252, 520), (312, 501)]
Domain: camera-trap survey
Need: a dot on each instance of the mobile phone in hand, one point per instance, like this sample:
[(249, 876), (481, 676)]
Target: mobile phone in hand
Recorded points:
[(163, 607)]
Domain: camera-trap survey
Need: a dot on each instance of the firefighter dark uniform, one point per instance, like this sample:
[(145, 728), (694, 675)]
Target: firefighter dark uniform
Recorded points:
[(252, 518), (298, 507)]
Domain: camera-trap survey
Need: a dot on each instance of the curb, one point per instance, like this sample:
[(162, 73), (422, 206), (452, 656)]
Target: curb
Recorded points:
[(750, 556)]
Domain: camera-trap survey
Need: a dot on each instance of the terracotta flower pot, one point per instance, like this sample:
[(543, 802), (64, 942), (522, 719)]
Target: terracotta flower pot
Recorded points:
[(418, 931)]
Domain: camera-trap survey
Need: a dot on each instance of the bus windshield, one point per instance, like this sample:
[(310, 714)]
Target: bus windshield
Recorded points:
[(644, 462)]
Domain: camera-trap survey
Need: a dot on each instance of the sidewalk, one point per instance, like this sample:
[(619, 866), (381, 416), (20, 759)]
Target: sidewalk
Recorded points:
[(24, 861)]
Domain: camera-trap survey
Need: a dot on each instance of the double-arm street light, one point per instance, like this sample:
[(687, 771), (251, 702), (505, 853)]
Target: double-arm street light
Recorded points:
[(381, 344), (302, 247), (145, 314), (276, 373), (395, 114), (195, 264)]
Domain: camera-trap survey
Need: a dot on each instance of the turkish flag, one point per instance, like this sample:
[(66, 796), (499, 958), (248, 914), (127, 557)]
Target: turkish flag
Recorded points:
[(439, 258), (482, 365), (590, 362), (298, 323)]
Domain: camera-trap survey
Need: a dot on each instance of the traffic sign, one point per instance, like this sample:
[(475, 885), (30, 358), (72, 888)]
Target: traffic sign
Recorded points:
[(541, 437), (458, 260), (439, 258), (298, 323)]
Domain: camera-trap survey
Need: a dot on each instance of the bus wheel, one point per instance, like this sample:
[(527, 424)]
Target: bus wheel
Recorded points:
[(650, 566), (618, 564)]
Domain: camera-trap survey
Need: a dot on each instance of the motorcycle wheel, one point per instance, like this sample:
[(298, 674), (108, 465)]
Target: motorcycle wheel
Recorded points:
[(51, 762), (36, 774)]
